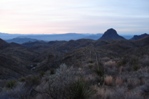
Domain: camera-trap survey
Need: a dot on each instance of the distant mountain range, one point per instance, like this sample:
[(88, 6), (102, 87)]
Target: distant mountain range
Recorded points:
[(21, 40), (50, 37), (110, 34), (6, 36)]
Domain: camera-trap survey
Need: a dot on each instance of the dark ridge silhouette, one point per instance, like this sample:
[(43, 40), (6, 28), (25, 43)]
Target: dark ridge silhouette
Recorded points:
[(3, 44), (143, 41), (137, 37), (111, 34)]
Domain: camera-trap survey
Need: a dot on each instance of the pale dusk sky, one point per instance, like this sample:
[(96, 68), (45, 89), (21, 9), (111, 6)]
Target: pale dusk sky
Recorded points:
[(74, 16)]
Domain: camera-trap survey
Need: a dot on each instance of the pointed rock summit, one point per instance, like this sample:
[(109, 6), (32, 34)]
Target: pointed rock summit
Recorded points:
[(111, 34)]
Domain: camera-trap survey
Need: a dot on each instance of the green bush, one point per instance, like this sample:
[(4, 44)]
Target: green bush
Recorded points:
[(123, 61), (42, 73), (99, 70), (11, 84), (134, 62), (80, 90), (32, 80)]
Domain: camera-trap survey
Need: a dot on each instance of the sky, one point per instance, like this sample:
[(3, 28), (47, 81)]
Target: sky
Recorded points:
[(74, 16)]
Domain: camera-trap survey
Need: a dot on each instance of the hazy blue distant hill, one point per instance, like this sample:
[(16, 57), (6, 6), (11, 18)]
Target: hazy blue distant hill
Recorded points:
[(94, 36), (45, 37), (6, 36), (51, 37), (127, 36), (21, 40)]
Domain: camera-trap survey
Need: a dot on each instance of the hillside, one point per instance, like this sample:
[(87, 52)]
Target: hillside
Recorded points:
[(102, 68), (137, 37), (14, 60)]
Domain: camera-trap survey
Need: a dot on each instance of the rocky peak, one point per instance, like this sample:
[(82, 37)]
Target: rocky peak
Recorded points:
[(111, 34)]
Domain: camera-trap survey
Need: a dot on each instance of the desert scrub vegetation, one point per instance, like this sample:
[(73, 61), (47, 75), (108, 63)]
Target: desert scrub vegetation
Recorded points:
[(66, 83), (72, 82)]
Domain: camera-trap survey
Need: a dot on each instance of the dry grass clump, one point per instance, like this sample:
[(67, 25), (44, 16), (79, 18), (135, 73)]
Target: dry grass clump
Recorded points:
[(118, 81), (116, 93), (110, 63), (104, 93), (132, 83), (104, 59), (108, 93), (108, 80)]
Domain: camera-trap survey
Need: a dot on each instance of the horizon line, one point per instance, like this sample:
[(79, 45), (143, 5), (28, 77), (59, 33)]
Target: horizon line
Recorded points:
[(65, 33)]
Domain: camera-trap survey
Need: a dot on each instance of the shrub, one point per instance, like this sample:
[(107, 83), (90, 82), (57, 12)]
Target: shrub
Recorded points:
[(11, 84), (42, 73), (22, 79), (118, 81), (32, 80), (108, 80), (123, 61), (145, 60), (110, 63), (132, 82), (134, 62), (99, 70), (135, 67), (66, 83), (52, 71), (90, 61), (80, 90)]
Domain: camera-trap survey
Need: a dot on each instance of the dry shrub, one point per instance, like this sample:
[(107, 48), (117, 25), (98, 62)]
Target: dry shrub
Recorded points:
[(145, 60), (132, 83), (118, 93), (43, 86), (103, 93), (106, 93), (105, 59), (108, 80), (133, 95), (110, 63), (118, 81)]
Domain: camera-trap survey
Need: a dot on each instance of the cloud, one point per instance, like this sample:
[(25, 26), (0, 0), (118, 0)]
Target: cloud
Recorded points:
[(55, 16)]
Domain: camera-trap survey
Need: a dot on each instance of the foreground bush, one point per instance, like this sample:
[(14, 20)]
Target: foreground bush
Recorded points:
[(66, 83)]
